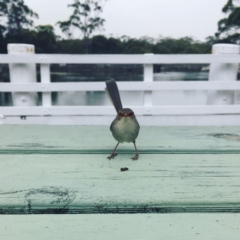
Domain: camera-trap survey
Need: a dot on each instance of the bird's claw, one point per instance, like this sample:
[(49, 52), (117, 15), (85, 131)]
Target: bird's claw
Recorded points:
[(112, 156), (135, 157)]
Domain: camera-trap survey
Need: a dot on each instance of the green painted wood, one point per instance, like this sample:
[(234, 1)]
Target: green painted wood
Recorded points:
[(63, 169), (98, 139), (118, 227), (75, 183)]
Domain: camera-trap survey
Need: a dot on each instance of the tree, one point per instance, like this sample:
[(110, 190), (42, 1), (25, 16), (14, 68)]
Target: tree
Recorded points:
[(45, 39), (42, 37), (183, 45), (85, 18), (17, 15), (99, 44), (3, 12), (230, 25), (70, 46)]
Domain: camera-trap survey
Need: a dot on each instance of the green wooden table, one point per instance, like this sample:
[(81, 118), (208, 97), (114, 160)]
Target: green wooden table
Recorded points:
[(191, 174)]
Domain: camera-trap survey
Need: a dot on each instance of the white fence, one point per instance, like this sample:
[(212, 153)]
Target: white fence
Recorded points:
[(148, 114)]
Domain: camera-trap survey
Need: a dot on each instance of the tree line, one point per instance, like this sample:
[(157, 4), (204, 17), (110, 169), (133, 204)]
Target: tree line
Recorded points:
[(17, 26), (45, 41)]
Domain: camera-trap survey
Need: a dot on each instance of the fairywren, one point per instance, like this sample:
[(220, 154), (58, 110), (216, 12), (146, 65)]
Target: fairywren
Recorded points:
[(125, 127)]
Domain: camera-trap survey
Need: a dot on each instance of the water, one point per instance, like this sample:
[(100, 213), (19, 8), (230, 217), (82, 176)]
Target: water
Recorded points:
[(181, 76), (136, 98), (130, 98)]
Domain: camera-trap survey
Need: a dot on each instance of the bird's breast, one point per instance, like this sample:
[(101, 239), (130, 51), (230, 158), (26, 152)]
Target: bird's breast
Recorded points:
[(125, 129)]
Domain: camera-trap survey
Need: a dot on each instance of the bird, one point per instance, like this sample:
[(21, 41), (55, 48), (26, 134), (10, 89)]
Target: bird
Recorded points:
[(125, 127)]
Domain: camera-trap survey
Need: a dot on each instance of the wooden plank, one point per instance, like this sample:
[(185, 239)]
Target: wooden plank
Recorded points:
[(109, 110), (121, 58), (123, 86), (161, 120), (90, 183), (133, 227), (98, 139)]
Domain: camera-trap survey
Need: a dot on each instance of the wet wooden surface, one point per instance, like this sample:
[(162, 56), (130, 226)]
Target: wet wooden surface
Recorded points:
[(192, 174), (74, 183), (64, 169), (24, 139), (121, 226)]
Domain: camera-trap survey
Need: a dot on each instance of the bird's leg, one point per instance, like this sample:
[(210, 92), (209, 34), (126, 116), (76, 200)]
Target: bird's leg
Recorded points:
[(136, 155), (113, 154)]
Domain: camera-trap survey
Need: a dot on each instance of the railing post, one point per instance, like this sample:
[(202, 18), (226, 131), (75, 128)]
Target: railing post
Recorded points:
[(45, 78), (22, 73), (223, 72), (148, 78)]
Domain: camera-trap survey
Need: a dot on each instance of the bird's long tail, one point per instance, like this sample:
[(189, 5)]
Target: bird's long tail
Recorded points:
[(113, 94)]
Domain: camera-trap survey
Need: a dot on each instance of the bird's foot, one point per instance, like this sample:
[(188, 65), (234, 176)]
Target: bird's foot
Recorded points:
[(112, 156), (135, 157)]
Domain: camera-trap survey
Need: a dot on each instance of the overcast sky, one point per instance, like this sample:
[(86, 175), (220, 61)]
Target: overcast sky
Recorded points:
[(136, 18)]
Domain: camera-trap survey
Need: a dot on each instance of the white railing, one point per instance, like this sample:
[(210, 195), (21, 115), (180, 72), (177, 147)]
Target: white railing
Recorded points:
[(147, 113)]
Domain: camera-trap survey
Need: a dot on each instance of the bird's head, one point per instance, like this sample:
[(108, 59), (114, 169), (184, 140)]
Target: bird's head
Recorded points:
[(126, 112)]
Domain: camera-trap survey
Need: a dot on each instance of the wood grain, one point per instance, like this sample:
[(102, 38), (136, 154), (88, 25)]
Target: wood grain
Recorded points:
[(98, 139), (63, 169), (133, 227), (156, 183), (121, 58)]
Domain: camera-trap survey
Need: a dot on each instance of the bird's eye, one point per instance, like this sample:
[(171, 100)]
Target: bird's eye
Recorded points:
[(130, 114), (120, 114)]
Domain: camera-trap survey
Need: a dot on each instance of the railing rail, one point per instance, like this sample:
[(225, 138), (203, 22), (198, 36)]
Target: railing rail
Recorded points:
[(123, 86), (109, 111), (148, 86), (121, 58)]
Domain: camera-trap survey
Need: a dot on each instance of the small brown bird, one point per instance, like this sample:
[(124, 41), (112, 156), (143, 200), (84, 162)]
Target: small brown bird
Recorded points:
[(125, 127)]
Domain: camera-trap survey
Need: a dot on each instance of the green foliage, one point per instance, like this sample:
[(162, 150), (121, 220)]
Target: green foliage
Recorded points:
[(228, 27), (232, 39), (134, 46), (45, 41), (18, 16), (114, 46), (43, 38), (101, 45), (182, 45), (228, 7), (70, 46), (3, 13), (234, 17), (85, 18)]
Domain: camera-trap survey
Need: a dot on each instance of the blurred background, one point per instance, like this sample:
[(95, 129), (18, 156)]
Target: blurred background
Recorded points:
[(119, 27)]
